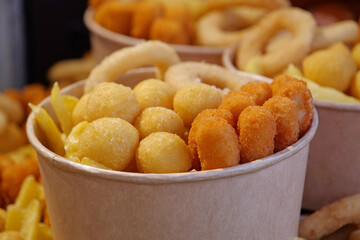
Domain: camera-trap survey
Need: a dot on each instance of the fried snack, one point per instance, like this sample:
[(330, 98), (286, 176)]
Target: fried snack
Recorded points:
[(331, 217), (33, 93), (189, 101), (332, 67), (268, 4), (355, 52), (355, 235), (287, 124), (217, 144), (274, 62), (159, 119), (80, 109), (260, 91), (296, 90), (12, 138), (163, 152), (236, 102), (11, 235), (115, 16), (213, 29), (144, 14), (185, 73), (355, 86), (3, 121), (257, 127), (5, 161), (154, 93), (109, 100), (109, 141), (220, 113), (169, 31), (12, 108), (119, 62)]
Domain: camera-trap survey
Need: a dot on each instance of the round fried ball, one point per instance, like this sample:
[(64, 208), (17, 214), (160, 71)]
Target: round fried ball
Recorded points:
[(154, 93), (108, 99), (79, 110), (159, 119), (163, 152), (109, 141), (190, 100)]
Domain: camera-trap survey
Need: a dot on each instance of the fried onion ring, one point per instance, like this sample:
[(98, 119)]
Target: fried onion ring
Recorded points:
[(268, 4), (185, 73), (154, 53), (331, 217), (274, 62)]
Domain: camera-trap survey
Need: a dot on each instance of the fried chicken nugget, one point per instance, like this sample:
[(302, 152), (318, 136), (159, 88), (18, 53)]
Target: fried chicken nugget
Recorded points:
[(257, 127), (296, 90), (217, 144), (260, 91), (221, 113), (287, 125), (169, 31)]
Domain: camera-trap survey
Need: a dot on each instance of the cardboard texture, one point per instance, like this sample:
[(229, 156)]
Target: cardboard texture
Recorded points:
[(103, 42), (334, 157), (257, 200)]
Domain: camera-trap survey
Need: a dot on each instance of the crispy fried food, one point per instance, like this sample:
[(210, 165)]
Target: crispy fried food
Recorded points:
[(108, 100), (217, 28), (260, 91), (12, 108), (12, 138), (181, 13), (163, 152), (355, 86), (331, 217), (355, 52), (274, 62), (287, 124), (159, 119), (80, 109), (115, 16), (109, 141), (3, 121), (296, 90), (34, 93), (320, 67), (217, 144), (170, 31), (192, 99), (185, 73), (5, 161), (144, 14), (220, 113), (154, 53), (154, 93), (257, 127), (236, 102), (269, 4)]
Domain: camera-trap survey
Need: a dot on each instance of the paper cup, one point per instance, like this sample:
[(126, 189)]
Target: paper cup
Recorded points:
[(103, 42), (257, 200), (334, 159)]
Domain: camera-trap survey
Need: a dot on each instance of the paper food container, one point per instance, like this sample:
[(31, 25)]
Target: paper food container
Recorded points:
[(334, 158), (257, 200), (103, 42)]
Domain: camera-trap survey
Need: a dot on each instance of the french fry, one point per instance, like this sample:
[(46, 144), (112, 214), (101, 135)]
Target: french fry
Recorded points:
[(30, 189), (71, 141), (92, 163)]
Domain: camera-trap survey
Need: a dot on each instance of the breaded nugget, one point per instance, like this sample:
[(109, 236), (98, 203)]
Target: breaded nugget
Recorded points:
[(257, 127), (287, 125), (221, 113), (169, 31), (217, 144), (260, 91), (236, 102)]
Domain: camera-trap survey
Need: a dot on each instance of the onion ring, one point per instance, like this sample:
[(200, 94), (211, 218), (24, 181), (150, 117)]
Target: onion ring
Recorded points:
[(154, 53), (272, 63), (185, 73), (269, 4), (331, 217), (214, 23)]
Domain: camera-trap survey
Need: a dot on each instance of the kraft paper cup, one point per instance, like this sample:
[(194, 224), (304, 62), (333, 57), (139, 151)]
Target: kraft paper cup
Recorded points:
[(103, 42), (257, 200), (334, 159)]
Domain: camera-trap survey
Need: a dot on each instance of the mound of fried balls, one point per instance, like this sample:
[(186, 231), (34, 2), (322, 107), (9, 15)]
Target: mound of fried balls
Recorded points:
[(154, 129)]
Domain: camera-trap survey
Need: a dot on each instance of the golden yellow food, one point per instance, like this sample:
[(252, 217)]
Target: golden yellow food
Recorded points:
[(71, 142), (355, 52), (169, 31), (236, 102), (355, 86), (109, 141), (163, 152), (12, 108), (259, 91), (159, 119), (79, 110)]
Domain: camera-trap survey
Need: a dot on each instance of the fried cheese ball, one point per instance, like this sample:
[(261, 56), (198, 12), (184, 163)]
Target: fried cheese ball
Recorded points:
[(154, 93), (221, 113), (190, 100), (163, 152), (236, 102), (287, 125), (109, 141), (159, 119), (257, 127), (260, 91), (107, 99), (297, 91), (217, 144)]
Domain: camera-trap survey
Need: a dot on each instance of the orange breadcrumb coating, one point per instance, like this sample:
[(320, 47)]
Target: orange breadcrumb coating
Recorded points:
[(260, 91), (237, 101)]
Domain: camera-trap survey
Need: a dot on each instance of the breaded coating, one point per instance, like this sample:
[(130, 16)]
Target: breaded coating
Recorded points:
[(287, 125), (260, 91), (257, 127), (236, 101)]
